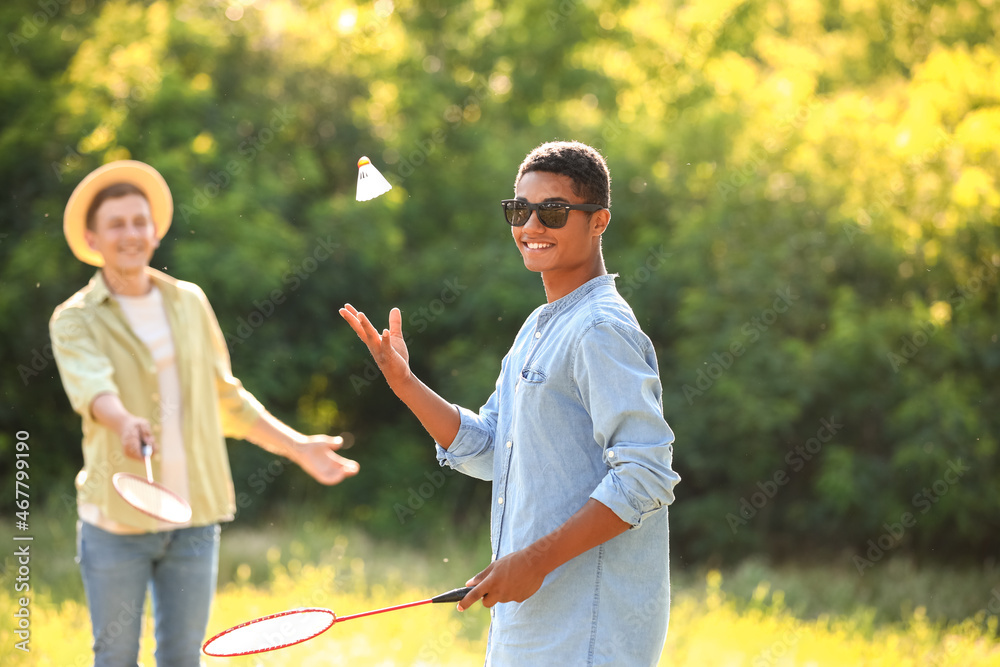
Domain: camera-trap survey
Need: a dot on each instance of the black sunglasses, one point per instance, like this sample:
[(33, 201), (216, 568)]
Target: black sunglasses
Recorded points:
[(552, 214)]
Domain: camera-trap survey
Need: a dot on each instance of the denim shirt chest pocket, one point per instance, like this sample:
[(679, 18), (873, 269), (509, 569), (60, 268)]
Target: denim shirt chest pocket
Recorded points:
[(533, 374), (539, 359)]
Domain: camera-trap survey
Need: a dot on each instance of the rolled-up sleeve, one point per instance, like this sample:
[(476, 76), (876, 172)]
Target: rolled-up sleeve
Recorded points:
[(471, 452), (615, 368), (239, 409), (85, 371)]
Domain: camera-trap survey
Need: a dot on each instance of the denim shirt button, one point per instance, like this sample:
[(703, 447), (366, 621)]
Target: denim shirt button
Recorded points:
[(611, 454), (538, 334), (500, 500), (509, 443)]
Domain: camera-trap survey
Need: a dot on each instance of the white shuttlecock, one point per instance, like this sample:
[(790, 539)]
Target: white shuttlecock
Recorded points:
[(371, 183)]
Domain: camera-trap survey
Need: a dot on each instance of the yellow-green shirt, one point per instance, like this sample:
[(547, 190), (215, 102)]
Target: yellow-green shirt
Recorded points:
[(98, 353)]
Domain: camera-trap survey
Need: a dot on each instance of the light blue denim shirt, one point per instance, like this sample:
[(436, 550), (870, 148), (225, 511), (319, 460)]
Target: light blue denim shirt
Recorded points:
[(577, 414)]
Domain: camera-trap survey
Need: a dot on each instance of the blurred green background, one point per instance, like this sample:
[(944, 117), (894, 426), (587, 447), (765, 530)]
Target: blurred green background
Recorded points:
[(804, 207)]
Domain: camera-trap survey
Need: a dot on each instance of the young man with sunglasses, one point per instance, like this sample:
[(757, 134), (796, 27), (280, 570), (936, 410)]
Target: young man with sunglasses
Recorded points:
[(573, 439)]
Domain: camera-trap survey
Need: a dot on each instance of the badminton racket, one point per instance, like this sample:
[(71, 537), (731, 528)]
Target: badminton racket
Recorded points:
[(149, 497), (295, 626)]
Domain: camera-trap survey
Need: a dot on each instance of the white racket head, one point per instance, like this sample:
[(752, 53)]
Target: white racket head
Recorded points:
[(269, 633), (150, 498)]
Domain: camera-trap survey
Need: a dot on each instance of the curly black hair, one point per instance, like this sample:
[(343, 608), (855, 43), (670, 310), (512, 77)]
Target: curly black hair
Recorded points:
[(582, 163)]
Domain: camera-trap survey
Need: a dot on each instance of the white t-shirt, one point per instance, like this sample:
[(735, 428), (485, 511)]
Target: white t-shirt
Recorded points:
[(147, 317)]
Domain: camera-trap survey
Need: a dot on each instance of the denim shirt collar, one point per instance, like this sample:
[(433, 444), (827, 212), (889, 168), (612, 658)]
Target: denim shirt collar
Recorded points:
[(561, 304)]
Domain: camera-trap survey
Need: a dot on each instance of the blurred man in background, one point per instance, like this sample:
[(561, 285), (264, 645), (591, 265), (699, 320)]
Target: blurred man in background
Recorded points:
[(143, 360)]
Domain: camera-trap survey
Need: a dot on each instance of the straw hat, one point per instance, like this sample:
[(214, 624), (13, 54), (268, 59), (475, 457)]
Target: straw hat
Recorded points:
[(139, 174)]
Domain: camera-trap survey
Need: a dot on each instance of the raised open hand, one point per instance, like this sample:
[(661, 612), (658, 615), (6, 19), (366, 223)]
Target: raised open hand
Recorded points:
[(388, 348)]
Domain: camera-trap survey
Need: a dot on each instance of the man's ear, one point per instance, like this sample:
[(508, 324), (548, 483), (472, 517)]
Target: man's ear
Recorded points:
[(90, 238), (600, 220)]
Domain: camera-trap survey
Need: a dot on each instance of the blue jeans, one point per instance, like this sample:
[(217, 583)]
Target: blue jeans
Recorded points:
[(182, 566)]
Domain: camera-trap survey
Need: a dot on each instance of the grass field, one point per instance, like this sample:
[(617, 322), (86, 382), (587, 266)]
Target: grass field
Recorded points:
[(753, 615)]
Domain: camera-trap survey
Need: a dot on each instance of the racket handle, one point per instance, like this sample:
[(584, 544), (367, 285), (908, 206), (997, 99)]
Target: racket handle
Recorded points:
[(147, 451), (453, 596)]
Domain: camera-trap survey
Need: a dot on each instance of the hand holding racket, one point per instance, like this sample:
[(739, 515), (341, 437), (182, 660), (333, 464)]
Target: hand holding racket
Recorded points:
[(135, 433), (149, 497), (512, 578), (295, 626)]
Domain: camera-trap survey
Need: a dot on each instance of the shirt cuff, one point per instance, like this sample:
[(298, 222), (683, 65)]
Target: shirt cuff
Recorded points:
[(471, 452), (608, 494)]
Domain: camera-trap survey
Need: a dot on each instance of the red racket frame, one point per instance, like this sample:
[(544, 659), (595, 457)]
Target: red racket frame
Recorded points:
[(455, 595)]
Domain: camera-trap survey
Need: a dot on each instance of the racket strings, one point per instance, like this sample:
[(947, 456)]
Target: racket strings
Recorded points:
[(152, 499), (295, 626), (269, 633)]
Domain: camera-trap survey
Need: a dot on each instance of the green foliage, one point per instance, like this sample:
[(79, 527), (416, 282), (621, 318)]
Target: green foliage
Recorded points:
[(804, 220)]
